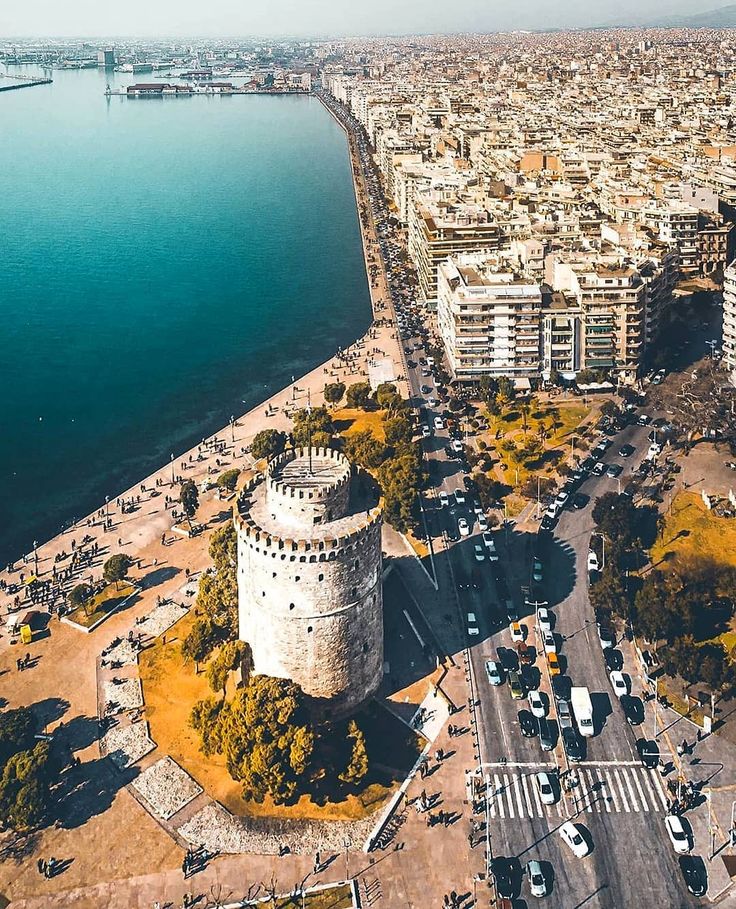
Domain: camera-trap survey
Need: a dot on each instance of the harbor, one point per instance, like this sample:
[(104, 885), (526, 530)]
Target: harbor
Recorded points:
[(21, 82)]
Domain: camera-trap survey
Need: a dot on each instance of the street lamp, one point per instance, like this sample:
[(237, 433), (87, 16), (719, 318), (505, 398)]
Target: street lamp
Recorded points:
[(35, 554), (172, 469), (232, 428)]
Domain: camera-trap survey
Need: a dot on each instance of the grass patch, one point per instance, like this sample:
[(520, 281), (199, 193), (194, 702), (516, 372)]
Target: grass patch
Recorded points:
[(101, 605), (348, 420), (691, 531), (170, 689), (334, 898), (419, 546)]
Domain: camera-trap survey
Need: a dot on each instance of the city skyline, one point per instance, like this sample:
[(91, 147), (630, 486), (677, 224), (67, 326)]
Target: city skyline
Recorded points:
[(318, 18)]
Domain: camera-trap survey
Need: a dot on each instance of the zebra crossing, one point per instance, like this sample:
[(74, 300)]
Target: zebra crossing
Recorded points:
[(602, 789)]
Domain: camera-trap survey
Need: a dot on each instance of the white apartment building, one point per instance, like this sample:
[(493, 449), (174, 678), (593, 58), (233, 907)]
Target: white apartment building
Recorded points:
[(729, 320), (489, 313)]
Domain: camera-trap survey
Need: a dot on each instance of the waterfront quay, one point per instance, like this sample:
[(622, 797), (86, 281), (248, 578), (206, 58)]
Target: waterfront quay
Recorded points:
[(25, 83)]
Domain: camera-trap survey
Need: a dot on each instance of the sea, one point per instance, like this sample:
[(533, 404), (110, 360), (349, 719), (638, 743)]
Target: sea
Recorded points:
[(164, 264)]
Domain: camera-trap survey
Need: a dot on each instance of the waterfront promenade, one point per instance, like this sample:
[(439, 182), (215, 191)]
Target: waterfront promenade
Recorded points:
[(62, 683)]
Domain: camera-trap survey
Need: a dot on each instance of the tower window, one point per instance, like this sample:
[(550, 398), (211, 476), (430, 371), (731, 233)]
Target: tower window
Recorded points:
[(297, 578), (357, 564), (320, 577), (309, 629), (354, 592), (291, 605)]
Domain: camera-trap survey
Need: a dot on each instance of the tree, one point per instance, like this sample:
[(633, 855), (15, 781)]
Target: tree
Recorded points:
[(656, 618), (585, 377), (359, 395), (80, 595), (267, 739), (490, 490), (200, 641), (554, 376), (357, 767), (116, 568), (267, 444), (487, 389), (25, 788), (219, 669), (203, 719), (388, 397), (17, 728), (493, 410), (608, 594), (400, 478), (363, 448), (228, 479), (189, 498), (610, 409), (506, 391), (616, 517), (333, 392), (398, 430), (312, 427)]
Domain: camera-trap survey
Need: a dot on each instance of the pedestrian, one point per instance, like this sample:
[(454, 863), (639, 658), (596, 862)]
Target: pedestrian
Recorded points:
[(41, 864), (19, 665)]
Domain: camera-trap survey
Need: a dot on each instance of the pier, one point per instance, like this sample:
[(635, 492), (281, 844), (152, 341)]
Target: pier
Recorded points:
[(22, 82)]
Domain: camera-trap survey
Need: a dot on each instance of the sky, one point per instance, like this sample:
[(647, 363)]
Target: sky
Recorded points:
[(244, 18)]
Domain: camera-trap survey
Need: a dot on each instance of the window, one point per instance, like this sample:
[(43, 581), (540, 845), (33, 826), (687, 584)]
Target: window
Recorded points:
[(297, 578), (354, 592), (291, 606), (309, 629), (357, 564), (320, 577)]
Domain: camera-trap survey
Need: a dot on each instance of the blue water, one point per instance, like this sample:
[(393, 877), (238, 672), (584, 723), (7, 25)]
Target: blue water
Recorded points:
[(162, 261)]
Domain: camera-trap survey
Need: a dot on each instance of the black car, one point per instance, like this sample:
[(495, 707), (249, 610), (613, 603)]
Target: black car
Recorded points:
[(633, 709), (547, 525), (613, 658), (502, 870), (507, 658), (626, 451), (572, 744), (470, 484), (527, 724), (547, 733), (561, 685), (648, 753), (588, 464), (580, 500), (694, 874)]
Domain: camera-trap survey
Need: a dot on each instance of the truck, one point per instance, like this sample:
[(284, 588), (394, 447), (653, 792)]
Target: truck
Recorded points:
[(582, 708)]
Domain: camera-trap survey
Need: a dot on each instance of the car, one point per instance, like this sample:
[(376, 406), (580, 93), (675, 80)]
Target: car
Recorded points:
[(580, 500), (678, 834), (526, 654), (536, 878), (658, 377), (561, 500), (544, 619), (537, 572), (593, 564), (546, 787), (444, 499), (606, 636), (546, 733), (536, 704), (479, 553), (518, 632), (527, 724), (630, 490), (588, 464), (694, 874), (578, 474), (626, 451), (564, 714), (459, 496), (494, 672), (426, 431), (644, 419), (482, 523), (439, 423), (456, 446), (433, 402), (463, 527), (599, 469), (553, 664), (477, 509), (561, 685), (572, 745), (653, 451), (552, 512), (549, 642), (633, 709), (507, 658), (618, 683), (614, 471), (613, 659), (648, 751), (490, 546), (547, 524), (503, 873), (515, 686), (570, 835), (426, 389)]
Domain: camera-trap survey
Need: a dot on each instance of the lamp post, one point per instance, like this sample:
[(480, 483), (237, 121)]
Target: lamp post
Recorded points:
[(35, 555), (172, 469), (232, 428)]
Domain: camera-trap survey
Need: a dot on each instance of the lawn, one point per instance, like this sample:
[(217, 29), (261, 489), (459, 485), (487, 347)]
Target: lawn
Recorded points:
[(170, 689), (348, 421), (691, 531), (334, 898), (101, 605)]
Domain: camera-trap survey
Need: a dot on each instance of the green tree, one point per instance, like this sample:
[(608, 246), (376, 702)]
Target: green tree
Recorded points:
[(189, 498), (610, 409), (80, 595), (359, 396), (399, 430), (388, 397), (487, 389), (506, 391), (585, 377), (313, 426), (554, 377), (25, 796), (204, 720), (657, 616), (493, 411), (616, 517), (228, 479), (357, 767), (200, 641), (363, 448), (333, 392), (17, 728), (400, 479), (608, 594), (219, 669), (116, 569), (267, 444)]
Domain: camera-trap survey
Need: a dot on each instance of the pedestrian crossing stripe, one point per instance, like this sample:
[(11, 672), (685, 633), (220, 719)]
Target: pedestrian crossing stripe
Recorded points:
[(601, 789)]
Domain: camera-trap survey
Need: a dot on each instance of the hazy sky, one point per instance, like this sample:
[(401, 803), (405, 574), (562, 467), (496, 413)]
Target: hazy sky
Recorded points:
[(318, 17)]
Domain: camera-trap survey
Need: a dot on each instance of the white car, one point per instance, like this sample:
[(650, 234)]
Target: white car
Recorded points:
[(433, 402), (490, 546), (463, 527), (570, 834), (439, 423), (618, 683), (546, 788), (444, 500), (473, 629), (456, 446), (459, 497), (518, 632), (535, 876), (426, 432), (482, 523), (654, 449), (561, 500), (552, 511), (679, 837), (550, 645), (480, 555), (537, 705), (544, 619), (593, 564), (493, 673)]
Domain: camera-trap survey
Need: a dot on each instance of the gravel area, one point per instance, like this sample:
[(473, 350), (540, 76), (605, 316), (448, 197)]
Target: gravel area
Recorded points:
[(124, 653), (127, 693), (160, 618), (166, 787), (127, 744), (219, 831)]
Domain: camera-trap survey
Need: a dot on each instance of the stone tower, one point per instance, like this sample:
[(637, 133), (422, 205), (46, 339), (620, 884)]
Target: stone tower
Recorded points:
[(309, 576)]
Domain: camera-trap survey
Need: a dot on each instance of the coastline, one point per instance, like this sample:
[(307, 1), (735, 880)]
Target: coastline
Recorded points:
[(142, 529)]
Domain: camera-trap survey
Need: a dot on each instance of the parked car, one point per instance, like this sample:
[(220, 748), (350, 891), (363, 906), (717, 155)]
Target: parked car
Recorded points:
[(572, 744), (580, 500), (518, 631), (678, 834), (494, 672), (614, 471), (546, 733), (550, 644), (606, 636), (515, 686), (463, 527), (444, 499), (694, 874), (544, 619), (527, 724), (536, 704), (626, 451), (564, 714), (537, 572), (479, 553), (553, 664), (593, 564), (618, 683), (439, 423), (535, 876)]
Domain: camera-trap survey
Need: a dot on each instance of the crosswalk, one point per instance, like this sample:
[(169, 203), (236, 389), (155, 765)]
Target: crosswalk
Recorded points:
[(601, 789)]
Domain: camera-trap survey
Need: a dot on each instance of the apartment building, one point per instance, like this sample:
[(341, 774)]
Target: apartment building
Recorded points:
[(729, 320)]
